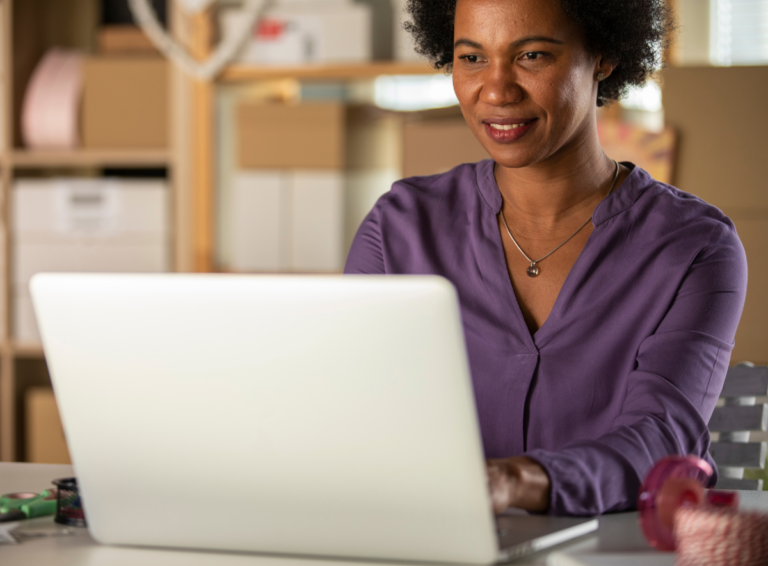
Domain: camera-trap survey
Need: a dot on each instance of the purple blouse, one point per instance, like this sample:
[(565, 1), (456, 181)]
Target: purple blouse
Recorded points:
[(630, 362)]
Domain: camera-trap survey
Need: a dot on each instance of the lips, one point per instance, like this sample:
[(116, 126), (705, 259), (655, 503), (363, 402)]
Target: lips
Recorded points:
[(507, 130)]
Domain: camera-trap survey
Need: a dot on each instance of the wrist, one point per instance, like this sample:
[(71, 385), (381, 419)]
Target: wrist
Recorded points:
[(519, 482), (531, 485)]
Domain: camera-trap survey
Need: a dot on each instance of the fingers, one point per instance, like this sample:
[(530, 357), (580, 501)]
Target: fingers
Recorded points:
[(499, 485), (518, 481)]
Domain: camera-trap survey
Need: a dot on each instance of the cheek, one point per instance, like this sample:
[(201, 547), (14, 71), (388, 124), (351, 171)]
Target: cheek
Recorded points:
[(569, 98), (461, 88)]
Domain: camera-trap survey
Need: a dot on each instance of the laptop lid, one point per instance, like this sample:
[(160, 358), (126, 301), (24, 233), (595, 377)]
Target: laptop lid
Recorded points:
[(305, 415)]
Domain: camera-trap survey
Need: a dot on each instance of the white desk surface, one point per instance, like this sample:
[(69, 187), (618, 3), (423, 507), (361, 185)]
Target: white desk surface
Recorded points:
[(618, 541)]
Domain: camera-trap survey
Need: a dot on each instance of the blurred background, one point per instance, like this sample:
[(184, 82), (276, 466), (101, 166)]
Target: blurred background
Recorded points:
[(114, 159)]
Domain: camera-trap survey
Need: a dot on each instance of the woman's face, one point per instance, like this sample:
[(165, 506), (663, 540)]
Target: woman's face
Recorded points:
[(524, 80)]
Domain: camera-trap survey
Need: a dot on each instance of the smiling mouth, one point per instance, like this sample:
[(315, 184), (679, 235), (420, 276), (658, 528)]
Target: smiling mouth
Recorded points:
[(507, 127), (508, 132)]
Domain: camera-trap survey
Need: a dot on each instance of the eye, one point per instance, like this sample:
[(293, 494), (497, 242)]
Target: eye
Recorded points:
[(469, 58), (533, 55)]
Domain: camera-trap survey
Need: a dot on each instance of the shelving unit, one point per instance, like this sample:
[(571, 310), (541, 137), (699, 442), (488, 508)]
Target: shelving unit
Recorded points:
[(203, 194), (245, 73), (28, 28), (21, 158), (189, 159)]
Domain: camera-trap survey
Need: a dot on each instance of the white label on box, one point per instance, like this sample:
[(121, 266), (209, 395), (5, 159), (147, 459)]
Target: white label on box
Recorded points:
[(87, 209)]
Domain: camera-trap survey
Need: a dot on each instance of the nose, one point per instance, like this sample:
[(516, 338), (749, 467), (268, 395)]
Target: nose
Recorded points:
[(500, 85)]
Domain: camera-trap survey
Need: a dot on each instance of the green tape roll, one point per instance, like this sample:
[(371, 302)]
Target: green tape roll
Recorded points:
[(11, 501), (45, 505)]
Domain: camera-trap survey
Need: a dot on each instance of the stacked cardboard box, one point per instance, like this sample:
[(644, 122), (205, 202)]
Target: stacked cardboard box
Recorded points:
[(45, 443), (287, 202), (436, 141), (125, 102), (106, 225)]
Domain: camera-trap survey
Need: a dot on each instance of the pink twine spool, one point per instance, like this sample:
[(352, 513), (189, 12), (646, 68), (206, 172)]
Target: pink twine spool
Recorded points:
[(720, 537), (49, 115)]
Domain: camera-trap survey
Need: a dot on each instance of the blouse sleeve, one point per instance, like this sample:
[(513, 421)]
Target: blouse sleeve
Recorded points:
[(366, 255), (678, 376)]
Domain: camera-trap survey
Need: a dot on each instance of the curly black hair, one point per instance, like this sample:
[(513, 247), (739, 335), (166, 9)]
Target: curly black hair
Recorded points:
[(633, 33)]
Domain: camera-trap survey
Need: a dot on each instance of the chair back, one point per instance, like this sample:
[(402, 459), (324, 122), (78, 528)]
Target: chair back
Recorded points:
[(734, 420)]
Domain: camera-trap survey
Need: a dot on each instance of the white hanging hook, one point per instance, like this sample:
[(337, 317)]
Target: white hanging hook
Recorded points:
[(224, 53)]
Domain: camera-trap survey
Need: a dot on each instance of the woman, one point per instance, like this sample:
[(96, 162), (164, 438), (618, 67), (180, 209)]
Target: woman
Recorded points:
[(599, 306)]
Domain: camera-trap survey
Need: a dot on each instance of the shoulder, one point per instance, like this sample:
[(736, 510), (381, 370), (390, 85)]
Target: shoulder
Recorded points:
[(395, 235), (662, 210), (681, 231)]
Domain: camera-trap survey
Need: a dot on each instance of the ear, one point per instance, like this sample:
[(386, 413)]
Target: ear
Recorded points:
[(604, 68)]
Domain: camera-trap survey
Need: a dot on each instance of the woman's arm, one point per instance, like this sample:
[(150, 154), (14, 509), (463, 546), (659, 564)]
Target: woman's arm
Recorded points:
[(672, 391), (365, 254)]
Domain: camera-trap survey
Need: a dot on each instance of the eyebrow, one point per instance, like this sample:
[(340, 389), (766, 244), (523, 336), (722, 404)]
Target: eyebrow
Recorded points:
[(518, 43)]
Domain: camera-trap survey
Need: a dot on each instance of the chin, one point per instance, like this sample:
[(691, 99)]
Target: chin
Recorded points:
[(514, 156), (512, 159)]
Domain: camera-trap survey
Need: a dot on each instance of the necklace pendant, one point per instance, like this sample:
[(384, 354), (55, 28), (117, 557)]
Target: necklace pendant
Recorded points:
[(533, 270)]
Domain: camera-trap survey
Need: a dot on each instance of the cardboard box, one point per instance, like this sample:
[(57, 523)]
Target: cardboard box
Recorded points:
[(297, 33), (45, 442), (287, 221), (278, 136), (125, 103), (436, 142), (720, 151), (720, 116), (124, 39)]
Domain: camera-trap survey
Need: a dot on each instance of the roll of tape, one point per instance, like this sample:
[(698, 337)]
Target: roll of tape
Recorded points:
[(720, 537), (49, 115)]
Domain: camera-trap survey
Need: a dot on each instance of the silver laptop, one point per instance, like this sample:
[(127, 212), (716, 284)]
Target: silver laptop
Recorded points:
[(323, 416)]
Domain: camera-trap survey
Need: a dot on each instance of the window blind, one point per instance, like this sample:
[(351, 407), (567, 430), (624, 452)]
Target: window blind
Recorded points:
[(739, 32)]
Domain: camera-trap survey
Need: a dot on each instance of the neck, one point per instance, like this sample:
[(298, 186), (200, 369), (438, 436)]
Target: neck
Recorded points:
[(564, 185)]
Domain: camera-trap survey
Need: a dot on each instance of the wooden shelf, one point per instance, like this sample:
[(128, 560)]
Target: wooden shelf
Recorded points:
[(26, 350), (246, 73), (90, 158)]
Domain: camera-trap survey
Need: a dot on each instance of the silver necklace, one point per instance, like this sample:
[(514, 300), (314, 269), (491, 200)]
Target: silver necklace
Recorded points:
[(533, 269)]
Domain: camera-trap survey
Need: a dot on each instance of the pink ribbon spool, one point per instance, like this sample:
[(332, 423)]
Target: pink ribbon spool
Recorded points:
[(49, 115), (674, 483)]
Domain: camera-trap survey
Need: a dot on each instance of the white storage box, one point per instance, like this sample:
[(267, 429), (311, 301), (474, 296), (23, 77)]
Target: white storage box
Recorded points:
[(102, 225), (287, 221), (317, 221), (258, 219), (301, 32), (70, 208)]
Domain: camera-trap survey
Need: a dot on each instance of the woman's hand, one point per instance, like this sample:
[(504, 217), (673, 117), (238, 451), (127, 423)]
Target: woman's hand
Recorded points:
[(518, 482)]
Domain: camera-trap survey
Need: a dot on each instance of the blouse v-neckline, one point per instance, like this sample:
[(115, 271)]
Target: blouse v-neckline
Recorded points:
[(489, 190)]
